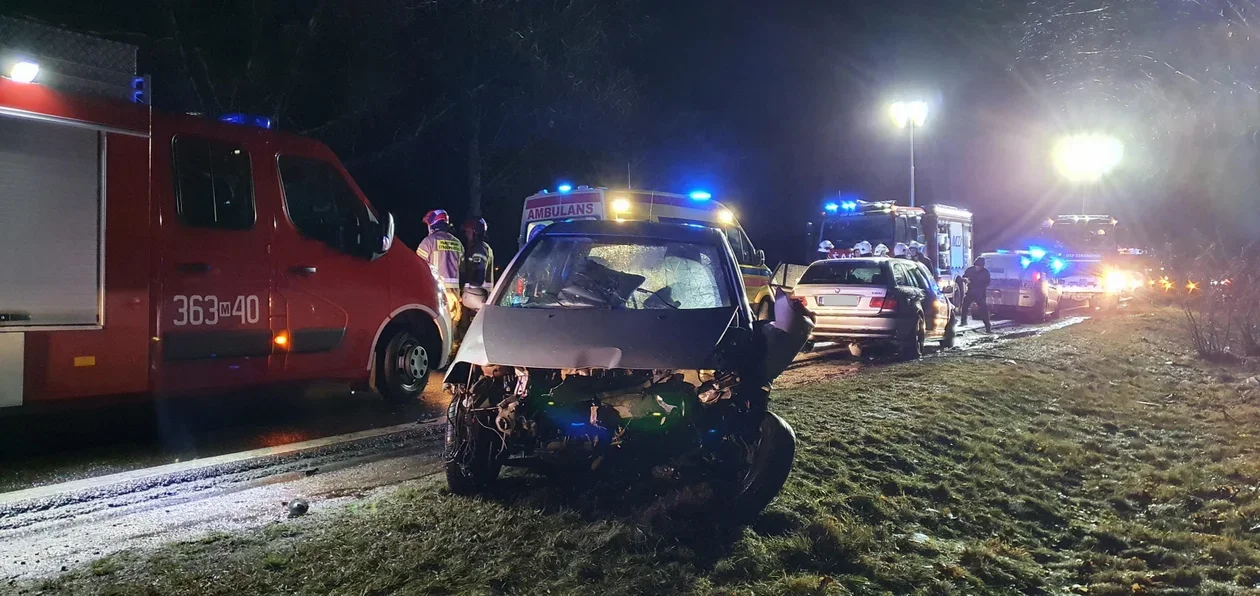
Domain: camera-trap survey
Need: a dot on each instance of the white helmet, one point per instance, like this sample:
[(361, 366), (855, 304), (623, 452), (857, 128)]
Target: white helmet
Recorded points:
[(915, 245), (899, 249), (826, 246), (862, 248), (881, 250)]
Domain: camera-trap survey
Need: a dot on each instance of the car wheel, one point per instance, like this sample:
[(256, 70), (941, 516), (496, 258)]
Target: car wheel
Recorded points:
[(911, 346), (951, 333), (471, 456), (403, 363), (765, 310), (769, 463)]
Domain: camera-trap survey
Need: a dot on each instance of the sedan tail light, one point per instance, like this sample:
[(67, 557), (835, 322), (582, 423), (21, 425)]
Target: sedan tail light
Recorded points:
[(884, 303)]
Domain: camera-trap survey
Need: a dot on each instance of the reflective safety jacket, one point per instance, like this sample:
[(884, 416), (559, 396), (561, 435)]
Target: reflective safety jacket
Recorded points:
[(444, 253)]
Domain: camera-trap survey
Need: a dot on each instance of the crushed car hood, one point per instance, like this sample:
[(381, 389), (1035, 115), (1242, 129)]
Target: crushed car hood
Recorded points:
[(594, 338)]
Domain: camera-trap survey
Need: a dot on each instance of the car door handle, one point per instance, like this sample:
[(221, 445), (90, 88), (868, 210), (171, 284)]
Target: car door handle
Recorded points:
[(193, 267), (303, 270)]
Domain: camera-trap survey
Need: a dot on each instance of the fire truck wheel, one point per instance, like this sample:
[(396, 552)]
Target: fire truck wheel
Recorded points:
[(403, 363)]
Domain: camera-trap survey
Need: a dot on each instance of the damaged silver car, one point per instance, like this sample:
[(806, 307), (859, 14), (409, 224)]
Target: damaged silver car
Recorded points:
[(624, 344)]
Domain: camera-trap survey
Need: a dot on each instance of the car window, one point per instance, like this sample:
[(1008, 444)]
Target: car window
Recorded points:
[(633, 273), (841, 273), (214, 186), (912, 280), (739, 244), (918, 273), (320, 202), (899, 275)]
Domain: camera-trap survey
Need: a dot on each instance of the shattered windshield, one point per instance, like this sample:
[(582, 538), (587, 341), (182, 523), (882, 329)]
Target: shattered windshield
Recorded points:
[(1084, 236), (583, 272)]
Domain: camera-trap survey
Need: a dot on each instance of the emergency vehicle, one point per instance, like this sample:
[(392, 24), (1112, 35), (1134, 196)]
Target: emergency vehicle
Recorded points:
[(696, 208), (152, 254), (945, 232), (1088, 260)]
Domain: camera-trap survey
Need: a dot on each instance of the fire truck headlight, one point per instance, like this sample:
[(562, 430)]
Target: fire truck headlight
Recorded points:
[(725, 217), (24, 71), (621, 206)]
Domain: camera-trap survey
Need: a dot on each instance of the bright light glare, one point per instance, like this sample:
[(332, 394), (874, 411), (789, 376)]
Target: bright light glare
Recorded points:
[(700, 195), (725, 217), (1116, 281), (1037, 253), (1025, 262), (565, 187), (908, 112), (24, 71), (1086, 158), (621, 205), (1057, 265), (832, 207)]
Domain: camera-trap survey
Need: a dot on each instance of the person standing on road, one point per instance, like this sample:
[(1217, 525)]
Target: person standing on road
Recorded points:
[(862, 249), (900, 251), (977, 278), (444, 253), (477, 270)]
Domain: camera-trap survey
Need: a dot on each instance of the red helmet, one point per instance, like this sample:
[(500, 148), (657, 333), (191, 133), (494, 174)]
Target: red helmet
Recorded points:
[(435, 217)]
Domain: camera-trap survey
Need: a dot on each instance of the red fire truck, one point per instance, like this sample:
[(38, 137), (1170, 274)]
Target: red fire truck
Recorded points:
[(155, 254)]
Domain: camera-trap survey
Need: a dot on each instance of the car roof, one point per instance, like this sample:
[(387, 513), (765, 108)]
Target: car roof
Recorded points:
[(664, 231), (858, 260)]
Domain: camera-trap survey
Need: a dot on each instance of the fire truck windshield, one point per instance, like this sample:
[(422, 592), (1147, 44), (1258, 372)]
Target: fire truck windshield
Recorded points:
[(844, 232)]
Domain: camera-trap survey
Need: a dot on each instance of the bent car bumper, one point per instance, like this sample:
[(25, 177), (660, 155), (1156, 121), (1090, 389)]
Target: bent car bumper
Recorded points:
[(854, 327)]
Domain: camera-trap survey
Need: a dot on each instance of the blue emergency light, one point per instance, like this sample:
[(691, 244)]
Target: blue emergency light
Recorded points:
[(1025, 262), (700, 195), (831, 207), (1057, 265), (247, 120), (565, 187), (1037, 253), (849, 205)]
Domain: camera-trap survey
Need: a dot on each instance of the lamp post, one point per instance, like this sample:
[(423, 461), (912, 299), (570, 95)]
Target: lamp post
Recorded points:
[(1086, 158), (911, 114)]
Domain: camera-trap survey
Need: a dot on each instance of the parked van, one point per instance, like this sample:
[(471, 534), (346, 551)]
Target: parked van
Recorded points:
[(163, 254)]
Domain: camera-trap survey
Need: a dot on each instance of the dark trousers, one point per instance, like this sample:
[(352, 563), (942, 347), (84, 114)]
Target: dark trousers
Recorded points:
[(982, 305)]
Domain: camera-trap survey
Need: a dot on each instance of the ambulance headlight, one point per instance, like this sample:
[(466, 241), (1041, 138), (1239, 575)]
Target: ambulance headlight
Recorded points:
[(725, 217), (621, 206)]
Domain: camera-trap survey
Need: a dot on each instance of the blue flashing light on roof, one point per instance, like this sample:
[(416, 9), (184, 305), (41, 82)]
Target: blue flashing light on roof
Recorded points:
[(247, 120), (1037, 253), (1057, 265), (849, 205), (831, 207), (1025, 262), (564, 187), (700, 195)]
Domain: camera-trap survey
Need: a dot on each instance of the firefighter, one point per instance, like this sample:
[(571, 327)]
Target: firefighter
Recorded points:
[(862, 249), (444, 253), (977, 278), (477, 270), (901, 251), (918, 254), (880, 250), (824, 249)]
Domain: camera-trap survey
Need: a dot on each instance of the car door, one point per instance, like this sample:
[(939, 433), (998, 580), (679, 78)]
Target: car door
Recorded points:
[(213, 317), (935, 306), (905, 285), (334, 297)]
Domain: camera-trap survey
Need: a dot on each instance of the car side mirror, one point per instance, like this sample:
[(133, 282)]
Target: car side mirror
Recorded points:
[(761, 257), (475, 298), (387, 237)]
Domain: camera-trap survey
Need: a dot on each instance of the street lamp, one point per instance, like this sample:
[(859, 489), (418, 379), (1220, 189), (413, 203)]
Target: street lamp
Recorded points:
[(1086, 158), (912, 114)]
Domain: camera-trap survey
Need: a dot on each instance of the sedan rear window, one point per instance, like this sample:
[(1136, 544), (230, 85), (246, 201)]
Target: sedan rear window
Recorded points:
[(841, 273)]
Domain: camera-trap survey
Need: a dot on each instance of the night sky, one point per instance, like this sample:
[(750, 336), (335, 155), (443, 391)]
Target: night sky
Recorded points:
[(775, 107)]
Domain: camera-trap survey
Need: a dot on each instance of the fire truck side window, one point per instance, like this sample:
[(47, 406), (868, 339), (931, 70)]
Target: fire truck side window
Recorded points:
[(321, 204), (214, 187)]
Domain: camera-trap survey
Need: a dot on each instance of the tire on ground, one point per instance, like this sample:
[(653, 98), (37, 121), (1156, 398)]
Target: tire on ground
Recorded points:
[(910, 345), (771, 464), (471, 457), (406, 354)]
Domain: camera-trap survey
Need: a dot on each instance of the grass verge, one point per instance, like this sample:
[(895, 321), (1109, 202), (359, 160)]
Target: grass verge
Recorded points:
[(1099, 459)]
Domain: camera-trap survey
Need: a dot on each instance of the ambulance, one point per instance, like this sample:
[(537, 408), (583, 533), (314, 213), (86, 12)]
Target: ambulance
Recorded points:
[(152, 254), (695, 208)]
